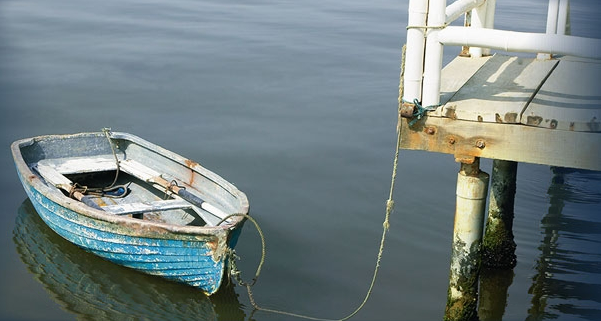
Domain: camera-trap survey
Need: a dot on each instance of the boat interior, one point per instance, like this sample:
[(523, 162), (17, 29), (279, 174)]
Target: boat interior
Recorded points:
[(125, 189)]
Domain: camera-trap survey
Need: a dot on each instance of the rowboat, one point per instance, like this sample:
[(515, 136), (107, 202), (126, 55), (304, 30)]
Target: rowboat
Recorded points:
[(134, 203)]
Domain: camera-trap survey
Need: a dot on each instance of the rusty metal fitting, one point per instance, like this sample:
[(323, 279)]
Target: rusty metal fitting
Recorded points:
[(407, 110), (480, 143), (430, 130)]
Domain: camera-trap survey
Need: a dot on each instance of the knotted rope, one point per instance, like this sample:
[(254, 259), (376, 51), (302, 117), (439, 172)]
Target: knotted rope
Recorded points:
[(419, 111)]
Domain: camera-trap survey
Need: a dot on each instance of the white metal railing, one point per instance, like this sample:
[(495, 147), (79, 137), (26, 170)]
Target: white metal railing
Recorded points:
[(458, 8), (428, 32), (558, 17)]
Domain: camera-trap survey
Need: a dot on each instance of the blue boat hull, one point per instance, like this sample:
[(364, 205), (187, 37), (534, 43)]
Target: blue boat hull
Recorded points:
[(189, 262), (96, 289)]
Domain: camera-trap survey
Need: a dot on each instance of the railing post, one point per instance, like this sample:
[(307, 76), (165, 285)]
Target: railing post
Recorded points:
[(563, 18), (558, 21), (490, 20), (434, 50), (552, 14), (478, 20), (414, 66)]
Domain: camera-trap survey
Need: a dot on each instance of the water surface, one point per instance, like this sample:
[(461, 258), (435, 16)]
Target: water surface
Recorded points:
[(295, 103)]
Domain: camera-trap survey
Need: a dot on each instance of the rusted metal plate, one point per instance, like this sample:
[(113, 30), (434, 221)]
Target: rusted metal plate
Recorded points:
[(499, 91), (570, 99)]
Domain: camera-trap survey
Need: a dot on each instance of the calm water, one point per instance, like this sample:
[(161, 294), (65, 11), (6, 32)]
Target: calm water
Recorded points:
[(295, 103)]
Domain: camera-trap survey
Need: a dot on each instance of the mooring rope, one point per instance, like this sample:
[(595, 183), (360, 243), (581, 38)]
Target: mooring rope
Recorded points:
[(235, 272)]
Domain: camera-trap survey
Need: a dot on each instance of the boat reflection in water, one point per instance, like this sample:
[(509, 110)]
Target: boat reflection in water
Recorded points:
[(95, 289)]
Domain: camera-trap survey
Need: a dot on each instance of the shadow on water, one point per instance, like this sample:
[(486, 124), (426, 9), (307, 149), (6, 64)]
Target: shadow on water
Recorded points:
[(94, 289), (566, 282)]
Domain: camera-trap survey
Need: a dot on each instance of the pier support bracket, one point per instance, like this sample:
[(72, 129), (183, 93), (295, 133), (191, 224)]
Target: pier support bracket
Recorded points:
[(472, 190), (498, 247)]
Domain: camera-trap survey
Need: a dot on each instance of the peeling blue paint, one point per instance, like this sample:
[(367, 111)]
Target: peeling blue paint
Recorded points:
[(189, 262)]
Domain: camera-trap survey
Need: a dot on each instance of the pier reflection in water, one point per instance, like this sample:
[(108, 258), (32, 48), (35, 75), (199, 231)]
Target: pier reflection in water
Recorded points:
[(565, 281), (568, 268), (94, 289)]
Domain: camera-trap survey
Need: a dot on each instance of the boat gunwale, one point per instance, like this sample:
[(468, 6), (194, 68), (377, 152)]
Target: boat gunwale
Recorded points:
[(136, 227)]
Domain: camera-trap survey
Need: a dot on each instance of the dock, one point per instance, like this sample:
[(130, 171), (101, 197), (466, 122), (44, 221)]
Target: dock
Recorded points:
[(537, 100), (516, 109)]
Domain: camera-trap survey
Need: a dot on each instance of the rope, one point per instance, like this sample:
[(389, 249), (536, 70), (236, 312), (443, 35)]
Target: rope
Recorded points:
[(428, 27), (234, 271), (425, 29), (107, 132)]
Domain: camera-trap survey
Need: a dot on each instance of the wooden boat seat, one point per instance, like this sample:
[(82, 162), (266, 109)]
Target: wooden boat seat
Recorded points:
[(53, 170), (78, 165), (52, 176), (145, 207)]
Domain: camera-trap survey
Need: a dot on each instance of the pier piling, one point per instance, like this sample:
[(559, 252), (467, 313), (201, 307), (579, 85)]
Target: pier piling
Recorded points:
[(498, 246), (472, 189)]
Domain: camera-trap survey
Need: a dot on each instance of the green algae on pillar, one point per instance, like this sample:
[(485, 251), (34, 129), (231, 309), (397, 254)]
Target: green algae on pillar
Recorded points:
[(498, 246)]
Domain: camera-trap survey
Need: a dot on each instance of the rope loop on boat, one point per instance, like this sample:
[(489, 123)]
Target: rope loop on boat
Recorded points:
[(173, 184), (233, 257), (77, 188), (107, 133)]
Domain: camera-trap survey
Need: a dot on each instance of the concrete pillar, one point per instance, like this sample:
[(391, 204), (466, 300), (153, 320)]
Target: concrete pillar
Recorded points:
[(462, 296), (498, 247)]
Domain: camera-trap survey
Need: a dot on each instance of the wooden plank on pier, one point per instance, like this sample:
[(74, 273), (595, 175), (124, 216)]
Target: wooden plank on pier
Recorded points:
[(570, 99), (499, 91), (456, 74)]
